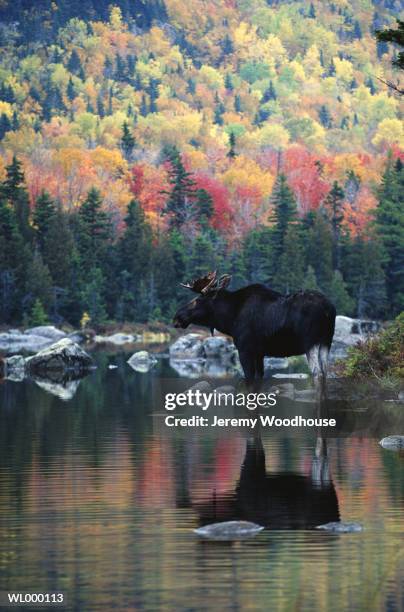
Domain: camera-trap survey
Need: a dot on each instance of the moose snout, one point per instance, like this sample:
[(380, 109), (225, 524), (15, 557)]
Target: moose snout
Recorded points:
[(178, 322)]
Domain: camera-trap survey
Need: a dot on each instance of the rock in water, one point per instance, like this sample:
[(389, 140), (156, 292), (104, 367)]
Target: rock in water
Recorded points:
[(230, 530), (340, 527), (142, 361), (63, 355), (393, 442), (15, 368), (189, 346)]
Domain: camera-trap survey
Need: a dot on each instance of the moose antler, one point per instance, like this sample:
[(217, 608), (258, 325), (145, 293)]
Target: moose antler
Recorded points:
[(203, 284), (208, 283)]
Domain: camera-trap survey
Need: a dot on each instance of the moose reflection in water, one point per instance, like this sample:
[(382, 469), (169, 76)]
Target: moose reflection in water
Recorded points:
[(276, 501)]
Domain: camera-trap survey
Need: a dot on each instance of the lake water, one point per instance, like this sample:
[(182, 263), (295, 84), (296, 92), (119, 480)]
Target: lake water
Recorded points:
[(99, 500)]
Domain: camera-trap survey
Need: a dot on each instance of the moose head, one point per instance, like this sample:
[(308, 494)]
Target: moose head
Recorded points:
[(200, 310)]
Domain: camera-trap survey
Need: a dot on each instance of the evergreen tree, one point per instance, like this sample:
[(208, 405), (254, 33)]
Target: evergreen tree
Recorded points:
[(284, 213), (179, 204), (219, 110), (269, 94), (93, 297), (95, 231), (13, 259), (312, 11), (339, 295), (227, 45), (44, 211), (334, 205), (14, 190), (310, 281), (203, 204), (235, 266), (38, 285), (389, 225), (74, 63), (71, 90), (100, 106), (232, 149), (38, 314), (319, 253), (228, 82), (128, 142), (144, 111), (154, 94), (289, 276), (237, 104), (325, 117), (5, 125), (258, 255)]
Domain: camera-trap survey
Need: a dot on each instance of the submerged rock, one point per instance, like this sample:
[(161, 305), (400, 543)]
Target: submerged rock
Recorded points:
[(63, 355), (230, 530), (341, 527), (291, 375), (392, 442), (142, 361)]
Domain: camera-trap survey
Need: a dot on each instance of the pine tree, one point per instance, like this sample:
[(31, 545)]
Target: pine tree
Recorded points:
[(284, 213), (289, 276), (92, 297), (219, 110), (128, 142), (44, 211), (258, 255), (5, 125), (334, 205), (269, 94), (232, 149), (325, 117), (319, 252), (203, 204), (389, 225), (71, 90), (312, 11), (14, 257), (310, 281), (95, 231), (14, 190), (228, 82), (38, 314), (179, 204), (74, 63), (339, 295), (227, 45), (237, 104), (38, 284)]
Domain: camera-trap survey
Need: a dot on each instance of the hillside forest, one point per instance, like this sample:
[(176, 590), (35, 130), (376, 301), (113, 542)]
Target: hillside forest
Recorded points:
[(144, 144)]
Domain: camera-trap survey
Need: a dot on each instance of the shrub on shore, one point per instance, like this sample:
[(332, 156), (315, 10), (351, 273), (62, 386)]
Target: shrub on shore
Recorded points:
[(381, 356)]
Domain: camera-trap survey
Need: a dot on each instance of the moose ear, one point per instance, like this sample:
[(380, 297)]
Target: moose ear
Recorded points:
[(224, 281)]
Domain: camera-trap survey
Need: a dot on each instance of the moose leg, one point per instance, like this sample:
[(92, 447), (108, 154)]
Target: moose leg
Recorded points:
[(313, 359), (247, 360), (323, 357)]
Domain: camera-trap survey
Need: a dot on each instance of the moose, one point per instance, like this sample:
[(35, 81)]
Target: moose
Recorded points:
[(263, 322)]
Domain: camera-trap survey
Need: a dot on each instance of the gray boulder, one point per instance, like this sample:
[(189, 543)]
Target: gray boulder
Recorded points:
[(349, 332), (142, 361), (62, 355), (229, 530), (219, 347), (393, 443), (189, 346)]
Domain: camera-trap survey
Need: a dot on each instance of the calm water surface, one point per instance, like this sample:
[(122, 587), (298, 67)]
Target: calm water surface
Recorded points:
[(99, 499)]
